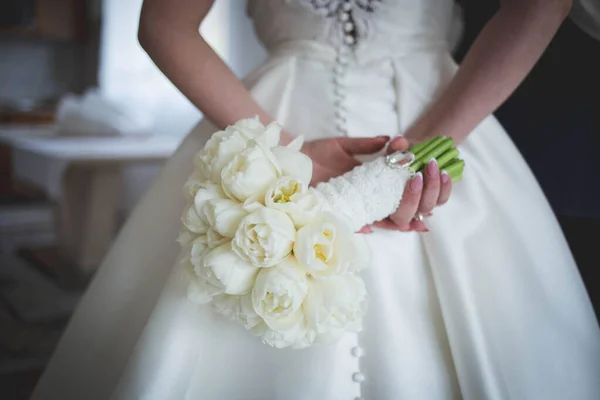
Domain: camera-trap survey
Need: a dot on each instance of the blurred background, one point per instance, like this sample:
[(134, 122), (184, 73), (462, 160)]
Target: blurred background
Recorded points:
[(87, 120)]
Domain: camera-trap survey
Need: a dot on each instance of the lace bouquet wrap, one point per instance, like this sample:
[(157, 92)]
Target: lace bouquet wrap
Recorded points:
[(270, 252)]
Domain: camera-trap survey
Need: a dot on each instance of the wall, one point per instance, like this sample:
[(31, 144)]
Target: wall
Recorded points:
[(36, 69), (40, 68)]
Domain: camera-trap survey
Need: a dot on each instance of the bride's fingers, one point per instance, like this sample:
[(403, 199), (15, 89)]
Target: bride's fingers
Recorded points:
[(431, 189), (410, 202), (445, 188), (399, 143), (418, 226), (365, 229), (388, 224)]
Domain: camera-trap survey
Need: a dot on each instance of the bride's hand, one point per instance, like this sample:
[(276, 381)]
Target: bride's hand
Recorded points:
[(421, 195), (335, 156)]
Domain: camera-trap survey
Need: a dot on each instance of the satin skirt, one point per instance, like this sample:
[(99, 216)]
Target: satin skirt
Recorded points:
[(487, 305)]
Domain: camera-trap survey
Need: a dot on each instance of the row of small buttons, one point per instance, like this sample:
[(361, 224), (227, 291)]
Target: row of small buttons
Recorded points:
[(341, 64), (358, 377), (339, 90)]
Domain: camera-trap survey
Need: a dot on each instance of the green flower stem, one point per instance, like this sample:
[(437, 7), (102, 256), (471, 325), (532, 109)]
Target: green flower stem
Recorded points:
[(457, 177), (444, 145), (455, 169), (436, 151), (414, 149), (441, 148), (447, 157), (432, 144)]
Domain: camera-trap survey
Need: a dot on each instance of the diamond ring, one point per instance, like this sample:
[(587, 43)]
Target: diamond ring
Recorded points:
[(419, 217)]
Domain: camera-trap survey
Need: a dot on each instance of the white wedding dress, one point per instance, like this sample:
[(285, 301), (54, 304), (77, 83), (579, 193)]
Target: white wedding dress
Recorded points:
[(487, 305)]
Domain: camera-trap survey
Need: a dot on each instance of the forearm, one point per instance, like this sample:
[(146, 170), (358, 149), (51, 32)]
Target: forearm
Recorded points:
[(500, 58), (198, 72)]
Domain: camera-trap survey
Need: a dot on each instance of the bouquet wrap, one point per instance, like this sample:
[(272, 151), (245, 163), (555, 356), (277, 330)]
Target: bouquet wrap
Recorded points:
[(370, 192)]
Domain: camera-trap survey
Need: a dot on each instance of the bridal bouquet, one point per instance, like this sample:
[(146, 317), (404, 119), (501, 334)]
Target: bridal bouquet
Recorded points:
[(271, 253)]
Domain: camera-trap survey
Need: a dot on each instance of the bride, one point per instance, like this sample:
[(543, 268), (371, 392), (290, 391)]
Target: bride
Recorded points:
[(484, 301)]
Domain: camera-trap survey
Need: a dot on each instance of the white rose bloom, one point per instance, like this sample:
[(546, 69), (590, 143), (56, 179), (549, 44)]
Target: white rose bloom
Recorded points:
[(277, 297), (327, 247), (293, 163), (250, 172), (234, 274), (202, 287), (335, 306), (295, 198), (224, 216), (264, 238), (193, 217)]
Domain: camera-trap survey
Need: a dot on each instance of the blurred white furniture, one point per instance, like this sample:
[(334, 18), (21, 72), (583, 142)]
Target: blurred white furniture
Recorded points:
[(83, 175)]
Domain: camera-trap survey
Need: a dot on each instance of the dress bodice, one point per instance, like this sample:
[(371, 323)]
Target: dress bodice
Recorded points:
[(356, 52), (375, 24)]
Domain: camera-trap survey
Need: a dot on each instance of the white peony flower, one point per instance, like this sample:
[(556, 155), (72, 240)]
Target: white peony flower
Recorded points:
[(250, 172), (335, 306), (238, 308), (295, 198), (202, 287), (193, 184), (293, 163), (194, 218), (328, 246), (218, 151), (203, 243), (224, 216), (277, 297), (234, 274), (294, 337), (224, 145), (253, 129), (214, 239), (198, 248), (264, 238), (296, 143), (185, 238)]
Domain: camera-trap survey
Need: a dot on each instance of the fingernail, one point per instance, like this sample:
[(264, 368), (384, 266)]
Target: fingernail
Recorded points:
[(445, 176), (432, 168), (417, 182)]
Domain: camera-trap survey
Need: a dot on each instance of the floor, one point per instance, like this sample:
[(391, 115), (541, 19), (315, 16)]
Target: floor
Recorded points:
[(34, 310)]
